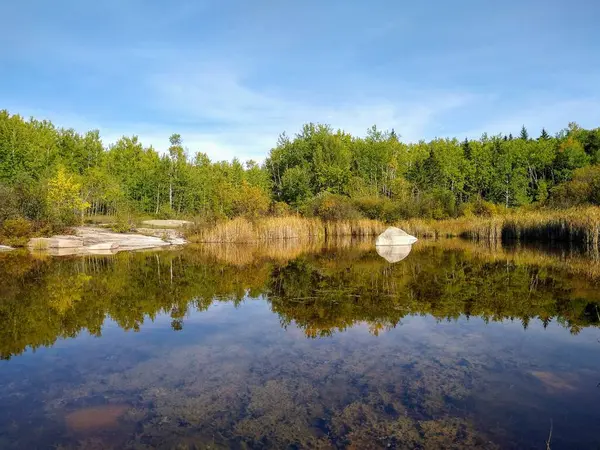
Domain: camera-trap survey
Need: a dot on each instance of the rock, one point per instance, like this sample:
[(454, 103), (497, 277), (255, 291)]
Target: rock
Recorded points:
[(102, 246), (99, 241), (393, 253), (395, 236), (97, 236), (173, 237), (66, 242), (167, 223), (66, 251), (56, 242), (5, 248)]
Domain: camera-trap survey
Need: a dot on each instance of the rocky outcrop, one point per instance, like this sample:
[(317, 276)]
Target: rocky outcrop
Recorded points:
[(89, 240), (174, 237), (394, 236)]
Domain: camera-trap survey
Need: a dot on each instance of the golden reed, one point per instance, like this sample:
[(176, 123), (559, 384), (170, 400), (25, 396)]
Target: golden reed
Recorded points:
[(577, 225), (241, 230)]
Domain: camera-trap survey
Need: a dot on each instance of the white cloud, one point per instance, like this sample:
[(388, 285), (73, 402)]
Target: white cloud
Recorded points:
[(233, 119)]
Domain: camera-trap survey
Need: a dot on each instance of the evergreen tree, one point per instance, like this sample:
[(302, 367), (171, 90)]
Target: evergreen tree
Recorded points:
[(467, 148), (524, 134)]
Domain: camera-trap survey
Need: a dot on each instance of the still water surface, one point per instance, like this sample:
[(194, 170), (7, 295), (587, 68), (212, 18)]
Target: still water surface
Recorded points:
[(456, 346)]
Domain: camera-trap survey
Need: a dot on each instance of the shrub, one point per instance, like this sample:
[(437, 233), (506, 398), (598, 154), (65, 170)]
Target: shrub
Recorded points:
[(18, 227), (376, 208), (166, 213), (122, 226), (435, 204), (8, 204), (583, 188), (477, 207), (330, 207), (250, 201), (280, 209), (15, 232)]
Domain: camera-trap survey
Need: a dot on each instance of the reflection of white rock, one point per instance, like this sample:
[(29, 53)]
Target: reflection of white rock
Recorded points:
[(393, 253), (394, 244), (395, 236)]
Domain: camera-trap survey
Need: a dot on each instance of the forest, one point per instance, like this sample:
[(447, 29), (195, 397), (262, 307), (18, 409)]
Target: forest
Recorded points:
[(52, 177)]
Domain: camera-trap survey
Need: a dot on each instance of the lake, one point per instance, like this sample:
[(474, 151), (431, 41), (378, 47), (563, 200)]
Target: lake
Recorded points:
[(458, 345)]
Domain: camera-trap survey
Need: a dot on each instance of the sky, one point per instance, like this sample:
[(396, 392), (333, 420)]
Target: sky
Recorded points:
[(231, 75)]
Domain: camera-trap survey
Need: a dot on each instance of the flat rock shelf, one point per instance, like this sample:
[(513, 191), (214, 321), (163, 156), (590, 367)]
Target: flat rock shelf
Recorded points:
[(87, 240)]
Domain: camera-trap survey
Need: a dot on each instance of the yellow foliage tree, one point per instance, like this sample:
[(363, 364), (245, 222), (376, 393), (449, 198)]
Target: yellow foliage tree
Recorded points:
[(251, 201), (65, 203)]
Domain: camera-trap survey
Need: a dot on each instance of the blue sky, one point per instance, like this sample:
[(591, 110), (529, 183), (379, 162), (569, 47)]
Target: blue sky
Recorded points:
[(230, 76)]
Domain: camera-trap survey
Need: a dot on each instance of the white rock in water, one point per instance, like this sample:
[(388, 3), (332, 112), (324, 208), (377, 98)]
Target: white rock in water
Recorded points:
[(393, 253), (5, 248), (395, 236)]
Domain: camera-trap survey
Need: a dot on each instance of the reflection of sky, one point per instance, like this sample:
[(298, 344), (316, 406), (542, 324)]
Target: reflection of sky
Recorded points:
[(508, 364), (253, 320)]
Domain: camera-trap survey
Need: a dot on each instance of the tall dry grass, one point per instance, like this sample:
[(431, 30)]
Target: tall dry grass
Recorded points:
[(577, 225), (241, 230), (476, 228)]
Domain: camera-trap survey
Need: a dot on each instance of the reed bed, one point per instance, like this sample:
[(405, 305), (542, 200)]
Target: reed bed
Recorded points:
[(476, 228), (241, 230), (576, 225), (354, 228)]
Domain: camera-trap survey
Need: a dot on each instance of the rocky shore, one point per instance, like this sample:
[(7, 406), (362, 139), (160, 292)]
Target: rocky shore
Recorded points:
[(92, 240)]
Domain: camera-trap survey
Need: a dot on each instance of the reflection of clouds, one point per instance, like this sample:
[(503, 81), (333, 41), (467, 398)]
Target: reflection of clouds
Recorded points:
[(257, 381)]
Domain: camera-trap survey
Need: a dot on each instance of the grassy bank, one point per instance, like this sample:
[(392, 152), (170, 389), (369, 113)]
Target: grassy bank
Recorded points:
[(242, 230), (576, 225)]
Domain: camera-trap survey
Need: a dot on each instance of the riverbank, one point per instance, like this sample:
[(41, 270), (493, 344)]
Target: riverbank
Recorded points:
[(578, 226), (241, 230), (575, 225)]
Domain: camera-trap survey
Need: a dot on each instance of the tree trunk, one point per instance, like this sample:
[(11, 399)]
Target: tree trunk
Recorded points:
[(157, 199)]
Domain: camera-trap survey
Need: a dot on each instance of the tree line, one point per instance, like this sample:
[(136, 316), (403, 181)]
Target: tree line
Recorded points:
[(56, 177)]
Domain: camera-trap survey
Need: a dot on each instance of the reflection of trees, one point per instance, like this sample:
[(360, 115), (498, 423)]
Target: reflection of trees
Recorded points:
[(434, 281), (321, 291)]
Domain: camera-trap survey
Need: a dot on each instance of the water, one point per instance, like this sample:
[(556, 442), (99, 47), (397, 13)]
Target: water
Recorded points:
[(456, 346)]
